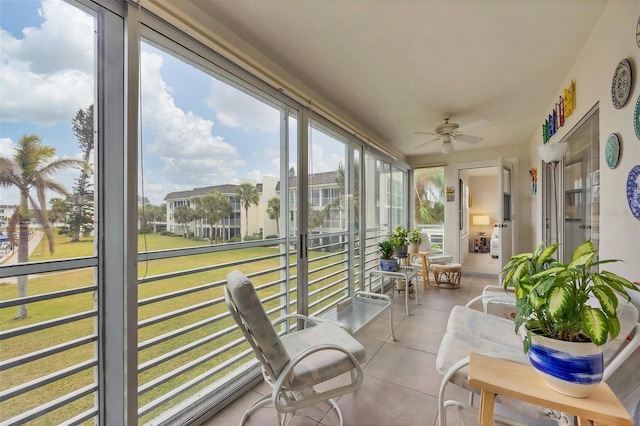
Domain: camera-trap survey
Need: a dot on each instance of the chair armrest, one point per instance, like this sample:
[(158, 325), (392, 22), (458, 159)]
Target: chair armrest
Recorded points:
[(306, 319), (492, 293), (287, 372), (362, 293), (622, 356)]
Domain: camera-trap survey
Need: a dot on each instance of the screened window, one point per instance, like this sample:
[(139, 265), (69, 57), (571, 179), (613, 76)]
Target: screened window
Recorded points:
[(231, 174), (49, 265)]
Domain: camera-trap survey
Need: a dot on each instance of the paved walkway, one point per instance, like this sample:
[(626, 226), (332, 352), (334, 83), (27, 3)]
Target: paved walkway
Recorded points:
[(12, 257)]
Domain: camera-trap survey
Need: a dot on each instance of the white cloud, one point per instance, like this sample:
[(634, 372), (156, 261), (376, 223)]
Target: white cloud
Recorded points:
[(337, 159), (255, 176), (47, 75), (317, 162), (237, 109), (183, 141), (7, 148)]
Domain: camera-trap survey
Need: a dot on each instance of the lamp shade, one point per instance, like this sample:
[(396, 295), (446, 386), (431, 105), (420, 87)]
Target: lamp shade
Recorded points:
[(480, 220), (552, 153)]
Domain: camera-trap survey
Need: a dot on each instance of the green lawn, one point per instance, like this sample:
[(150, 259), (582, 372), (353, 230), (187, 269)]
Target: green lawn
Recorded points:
[(47, 283)]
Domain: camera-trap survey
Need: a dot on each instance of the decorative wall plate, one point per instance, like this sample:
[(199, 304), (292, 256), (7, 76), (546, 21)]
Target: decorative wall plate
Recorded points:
[(612, 151), (621, 84), (638, 33), (633, 191), (636, 118)]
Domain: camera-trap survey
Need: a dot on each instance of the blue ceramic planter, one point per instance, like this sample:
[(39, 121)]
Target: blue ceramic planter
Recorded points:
[(573, 369), (388, 265)]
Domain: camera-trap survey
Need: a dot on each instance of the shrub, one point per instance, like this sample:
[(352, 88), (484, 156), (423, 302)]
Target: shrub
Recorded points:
[(145, 230)]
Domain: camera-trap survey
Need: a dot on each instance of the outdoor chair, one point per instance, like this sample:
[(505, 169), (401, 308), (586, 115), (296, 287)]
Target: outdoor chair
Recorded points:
[(293, 364), (470, 330), (495, 296)]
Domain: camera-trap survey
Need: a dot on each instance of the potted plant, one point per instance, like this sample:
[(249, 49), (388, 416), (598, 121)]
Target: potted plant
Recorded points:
[(557, 317), (415, 239), (387, 262), (400, 239)]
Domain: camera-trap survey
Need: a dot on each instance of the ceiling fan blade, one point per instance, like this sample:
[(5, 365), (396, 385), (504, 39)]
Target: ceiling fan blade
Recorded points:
[(468, 138), (480, 124), (426, 133), (426, 143)]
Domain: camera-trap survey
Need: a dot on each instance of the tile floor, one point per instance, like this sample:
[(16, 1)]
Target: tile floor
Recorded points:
[(481, 264), (401, 383)]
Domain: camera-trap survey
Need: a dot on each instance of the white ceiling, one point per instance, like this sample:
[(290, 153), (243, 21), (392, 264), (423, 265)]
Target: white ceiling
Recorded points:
[(396, 66)]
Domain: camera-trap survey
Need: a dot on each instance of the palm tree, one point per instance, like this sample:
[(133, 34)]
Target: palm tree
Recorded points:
[(59, 210), (183, 215), (429, 192), (273, 209), (31, 168), (216, 206), (156, 214), (248, 195)]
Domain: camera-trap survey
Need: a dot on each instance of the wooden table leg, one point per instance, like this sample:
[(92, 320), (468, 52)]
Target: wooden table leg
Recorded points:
[(424, 268), (486, 408), (425, 271)]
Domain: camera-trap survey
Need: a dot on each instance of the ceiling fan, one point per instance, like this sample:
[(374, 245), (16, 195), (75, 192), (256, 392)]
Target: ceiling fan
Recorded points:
[(449, 132)]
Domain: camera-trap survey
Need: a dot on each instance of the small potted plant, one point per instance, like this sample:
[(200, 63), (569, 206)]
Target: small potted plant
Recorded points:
[(387, 262), (400, 239), (562, 328), (415, 239)]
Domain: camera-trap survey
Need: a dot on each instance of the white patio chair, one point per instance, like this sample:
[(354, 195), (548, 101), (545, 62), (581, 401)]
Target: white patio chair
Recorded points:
[(470, 330), (495, 295), (293, 364)]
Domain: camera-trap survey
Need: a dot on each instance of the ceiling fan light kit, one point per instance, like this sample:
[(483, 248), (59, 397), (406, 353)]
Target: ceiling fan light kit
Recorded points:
[(447, 147)]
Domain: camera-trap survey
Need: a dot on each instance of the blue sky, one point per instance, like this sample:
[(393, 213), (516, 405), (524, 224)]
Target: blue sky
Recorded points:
[(196, 130)]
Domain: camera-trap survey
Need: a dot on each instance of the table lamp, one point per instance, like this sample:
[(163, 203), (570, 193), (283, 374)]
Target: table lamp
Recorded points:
[(480, 220)]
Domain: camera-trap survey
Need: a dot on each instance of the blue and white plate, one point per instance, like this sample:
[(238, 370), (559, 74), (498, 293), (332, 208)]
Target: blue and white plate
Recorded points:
[(633, 191)]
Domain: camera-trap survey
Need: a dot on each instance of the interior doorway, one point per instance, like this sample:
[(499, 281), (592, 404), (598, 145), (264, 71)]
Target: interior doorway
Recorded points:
[(479, 243)]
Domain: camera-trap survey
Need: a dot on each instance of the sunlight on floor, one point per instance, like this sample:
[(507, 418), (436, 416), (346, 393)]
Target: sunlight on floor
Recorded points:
[(481, 263)]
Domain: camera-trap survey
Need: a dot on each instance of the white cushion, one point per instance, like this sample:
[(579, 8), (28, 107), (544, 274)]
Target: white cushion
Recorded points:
[(248, 303), (326, 364)]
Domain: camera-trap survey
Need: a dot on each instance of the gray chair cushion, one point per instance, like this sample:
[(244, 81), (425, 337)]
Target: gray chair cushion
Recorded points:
[(326, 364), (257, 321)]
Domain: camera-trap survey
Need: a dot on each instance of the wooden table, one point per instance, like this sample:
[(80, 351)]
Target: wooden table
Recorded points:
[(424, 268), (495, 376)]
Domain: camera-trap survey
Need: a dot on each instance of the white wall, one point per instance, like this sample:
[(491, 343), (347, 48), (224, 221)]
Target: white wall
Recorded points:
[(612, 39), (269, 184)]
